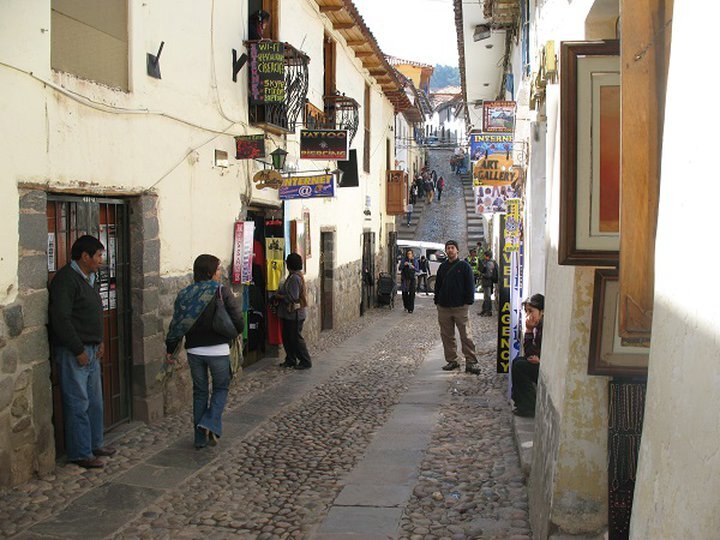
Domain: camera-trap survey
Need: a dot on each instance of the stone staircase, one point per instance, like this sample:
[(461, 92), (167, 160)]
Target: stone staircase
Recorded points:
[(475, 222), (405, 232)]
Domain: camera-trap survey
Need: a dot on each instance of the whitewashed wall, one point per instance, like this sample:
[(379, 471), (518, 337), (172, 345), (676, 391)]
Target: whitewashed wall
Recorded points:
[(678, 480)]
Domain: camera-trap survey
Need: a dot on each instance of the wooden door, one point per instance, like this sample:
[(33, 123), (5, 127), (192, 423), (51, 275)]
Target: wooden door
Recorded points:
[(327, 248), (107, 219)]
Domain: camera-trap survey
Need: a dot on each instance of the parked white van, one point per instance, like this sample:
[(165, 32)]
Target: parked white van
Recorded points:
[(433, 251)]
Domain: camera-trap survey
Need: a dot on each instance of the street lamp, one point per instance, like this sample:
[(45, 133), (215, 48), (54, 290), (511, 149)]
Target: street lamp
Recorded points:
[(278, 157)]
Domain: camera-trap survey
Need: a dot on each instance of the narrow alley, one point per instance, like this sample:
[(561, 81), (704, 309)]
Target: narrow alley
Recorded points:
[(375, 440)]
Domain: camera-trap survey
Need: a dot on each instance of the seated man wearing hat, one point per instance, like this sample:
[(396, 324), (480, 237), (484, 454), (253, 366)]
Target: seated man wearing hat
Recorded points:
[(525, 369)]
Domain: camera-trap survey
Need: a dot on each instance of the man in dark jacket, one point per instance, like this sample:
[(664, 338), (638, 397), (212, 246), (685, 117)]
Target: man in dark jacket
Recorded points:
[(454, 294), (76, 323), (488, 278), (525, 369)]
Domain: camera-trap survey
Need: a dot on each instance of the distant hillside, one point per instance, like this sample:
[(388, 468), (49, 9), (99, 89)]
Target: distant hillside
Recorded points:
[(444, 76)]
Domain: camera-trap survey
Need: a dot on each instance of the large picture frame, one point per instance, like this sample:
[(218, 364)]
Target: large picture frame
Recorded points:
[(590, 153), (608, 355)]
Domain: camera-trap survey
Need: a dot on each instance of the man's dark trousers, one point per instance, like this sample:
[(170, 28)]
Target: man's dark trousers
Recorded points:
[(487, 299), (524, 379)]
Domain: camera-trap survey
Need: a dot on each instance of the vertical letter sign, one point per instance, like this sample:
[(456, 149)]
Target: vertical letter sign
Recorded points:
[(267, 72), (243, 252)]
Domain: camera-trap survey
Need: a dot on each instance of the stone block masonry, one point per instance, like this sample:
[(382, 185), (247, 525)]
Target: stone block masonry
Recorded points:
[(26, 433)]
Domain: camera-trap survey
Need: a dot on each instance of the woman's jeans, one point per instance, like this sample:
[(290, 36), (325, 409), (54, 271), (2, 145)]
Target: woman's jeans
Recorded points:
[(208, 409), (82, 400)]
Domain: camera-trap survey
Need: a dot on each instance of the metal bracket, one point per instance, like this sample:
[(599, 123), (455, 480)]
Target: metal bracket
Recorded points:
[(237, 63), (153, 62)]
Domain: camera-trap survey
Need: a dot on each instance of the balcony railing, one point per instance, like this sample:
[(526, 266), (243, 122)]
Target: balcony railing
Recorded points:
[(282, 117), (340, 112), (343, 112)]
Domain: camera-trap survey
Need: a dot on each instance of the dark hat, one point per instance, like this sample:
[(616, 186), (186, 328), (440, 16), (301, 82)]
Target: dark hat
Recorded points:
[(452, 243), (536, 301)]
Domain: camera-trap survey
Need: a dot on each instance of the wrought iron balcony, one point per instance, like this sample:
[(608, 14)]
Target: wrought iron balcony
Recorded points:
[(341, 112), (281, 117)]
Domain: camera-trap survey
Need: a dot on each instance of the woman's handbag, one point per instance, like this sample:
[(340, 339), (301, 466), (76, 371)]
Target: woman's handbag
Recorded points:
[(222, 323)]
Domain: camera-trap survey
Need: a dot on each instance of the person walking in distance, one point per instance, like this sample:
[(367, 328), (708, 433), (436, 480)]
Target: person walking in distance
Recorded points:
[(488, 278), (408, 212), (423, 274), (408, 282), (454, 294), (76, 333), (440, 187)]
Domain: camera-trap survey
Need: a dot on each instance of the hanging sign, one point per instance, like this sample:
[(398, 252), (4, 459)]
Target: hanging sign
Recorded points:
[(324, 144), (484, 145), (267, 178), (266, 72), (504, 306), (305, 187), (498, 116), (243, 251), (249, 146), (513, 223)]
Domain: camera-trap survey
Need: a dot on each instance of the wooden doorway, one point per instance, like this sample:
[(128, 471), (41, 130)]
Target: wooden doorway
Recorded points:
[(69, 218), (327, 277)]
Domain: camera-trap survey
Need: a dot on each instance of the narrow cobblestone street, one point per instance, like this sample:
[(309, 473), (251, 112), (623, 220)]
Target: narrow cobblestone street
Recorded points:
[(375, 440)]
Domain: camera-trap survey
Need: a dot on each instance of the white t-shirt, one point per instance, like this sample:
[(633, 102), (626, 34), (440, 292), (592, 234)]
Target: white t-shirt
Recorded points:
[(221, 349)]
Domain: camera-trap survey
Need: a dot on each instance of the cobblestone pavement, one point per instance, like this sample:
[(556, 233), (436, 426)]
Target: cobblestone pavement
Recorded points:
[(470, 483), (39, 499)]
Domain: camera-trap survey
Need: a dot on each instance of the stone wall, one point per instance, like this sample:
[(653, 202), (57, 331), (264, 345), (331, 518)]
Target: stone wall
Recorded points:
[(148, 349), (176, 385), (346, 298), (545, 452), (26, 433)]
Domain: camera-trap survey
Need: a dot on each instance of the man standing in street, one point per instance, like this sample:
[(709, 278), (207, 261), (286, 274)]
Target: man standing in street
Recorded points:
[(76, 329), (454, 294), (488, 277)]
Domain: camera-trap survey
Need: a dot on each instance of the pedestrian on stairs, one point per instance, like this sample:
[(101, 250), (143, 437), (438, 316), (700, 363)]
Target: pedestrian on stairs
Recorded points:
[(440, 187), (408, 212)]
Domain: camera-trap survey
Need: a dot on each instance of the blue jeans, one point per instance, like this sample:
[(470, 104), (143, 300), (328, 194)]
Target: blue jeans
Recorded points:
[(207, 409), (82, 399)]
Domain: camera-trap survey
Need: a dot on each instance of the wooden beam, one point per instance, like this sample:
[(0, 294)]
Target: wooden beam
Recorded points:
[(331, 9), (356, 42), (344, 26), (644, 55), (365, 53)]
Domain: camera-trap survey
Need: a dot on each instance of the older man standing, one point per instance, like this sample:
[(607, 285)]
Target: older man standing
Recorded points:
[(454, 294), (76, 322)]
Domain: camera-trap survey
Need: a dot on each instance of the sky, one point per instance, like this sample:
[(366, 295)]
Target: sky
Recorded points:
[(420, 30)]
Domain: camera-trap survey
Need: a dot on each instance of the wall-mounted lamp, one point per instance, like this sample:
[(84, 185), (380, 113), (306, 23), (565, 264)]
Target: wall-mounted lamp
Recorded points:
[(153, 62), (278, 157)]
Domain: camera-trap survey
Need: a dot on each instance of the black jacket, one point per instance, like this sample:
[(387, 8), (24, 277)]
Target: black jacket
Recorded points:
[(76, 311), (454, 284)]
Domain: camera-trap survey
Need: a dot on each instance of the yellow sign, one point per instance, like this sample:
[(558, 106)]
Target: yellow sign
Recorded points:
[(267, 178), (495, 170)]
